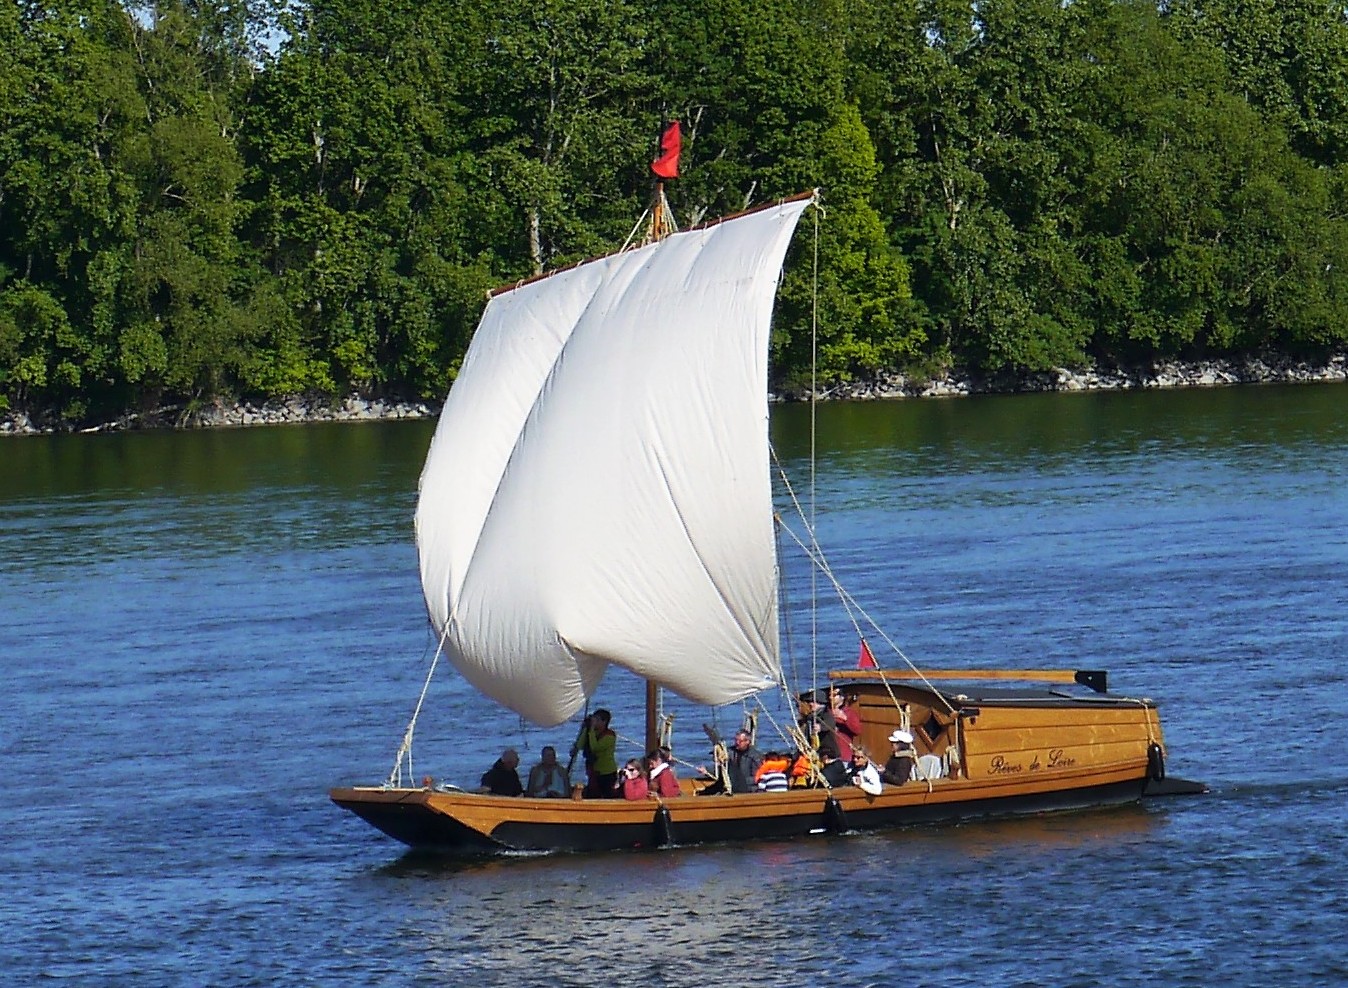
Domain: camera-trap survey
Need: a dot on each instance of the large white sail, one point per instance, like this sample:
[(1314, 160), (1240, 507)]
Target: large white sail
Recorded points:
[(598, 487)]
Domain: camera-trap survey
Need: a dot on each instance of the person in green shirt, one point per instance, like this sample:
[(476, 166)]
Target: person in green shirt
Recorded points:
[(600, 746)]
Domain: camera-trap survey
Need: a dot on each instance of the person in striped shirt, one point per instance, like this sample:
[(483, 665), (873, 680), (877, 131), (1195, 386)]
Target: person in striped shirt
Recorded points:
[(771, 775)]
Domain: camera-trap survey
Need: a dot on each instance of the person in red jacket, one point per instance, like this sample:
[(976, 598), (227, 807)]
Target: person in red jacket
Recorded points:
[(632, 781), (847, 720), (663, 782)]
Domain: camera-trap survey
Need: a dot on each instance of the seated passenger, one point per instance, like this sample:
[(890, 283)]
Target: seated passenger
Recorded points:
[(741, 765), (864, 774), (548, 778), (799, 772), (502, 779), (631, 782), (836, 772), (899, 768), (663, 782), (772, 773)]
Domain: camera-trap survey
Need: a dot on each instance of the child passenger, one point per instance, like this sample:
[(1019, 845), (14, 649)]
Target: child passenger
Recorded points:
[(772, 773)]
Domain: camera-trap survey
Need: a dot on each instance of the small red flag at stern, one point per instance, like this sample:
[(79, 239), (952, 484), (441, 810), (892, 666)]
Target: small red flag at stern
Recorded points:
[(866, 660), (671, 142)]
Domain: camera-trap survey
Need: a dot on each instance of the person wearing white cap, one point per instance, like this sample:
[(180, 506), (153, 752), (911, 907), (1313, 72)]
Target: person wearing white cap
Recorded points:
[(899, 768)]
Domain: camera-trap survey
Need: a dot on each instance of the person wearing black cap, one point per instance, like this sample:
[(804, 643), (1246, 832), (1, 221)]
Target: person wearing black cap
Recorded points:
[(817, 723)]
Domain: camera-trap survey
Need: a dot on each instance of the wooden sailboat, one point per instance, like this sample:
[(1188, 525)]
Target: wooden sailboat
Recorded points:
[(598, 493), (1002, 752)]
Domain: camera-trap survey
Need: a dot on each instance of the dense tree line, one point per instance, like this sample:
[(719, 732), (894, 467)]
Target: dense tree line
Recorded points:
[(205, 198)]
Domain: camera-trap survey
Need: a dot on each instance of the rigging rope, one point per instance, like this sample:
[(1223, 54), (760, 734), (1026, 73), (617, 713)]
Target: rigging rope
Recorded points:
[(395, 778), (782, 589), (814, 402), (851, 604)]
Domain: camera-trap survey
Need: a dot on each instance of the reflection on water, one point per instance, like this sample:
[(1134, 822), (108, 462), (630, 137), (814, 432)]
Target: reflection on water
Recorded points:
[(685, 912), (1053, 432), (72, 501), (936, 846)]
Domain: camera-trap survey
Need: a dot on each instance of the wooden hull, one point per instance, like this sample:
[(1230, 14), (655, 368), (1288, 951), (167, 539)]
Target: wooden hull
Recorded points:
[(1008, 754), (469, 823)]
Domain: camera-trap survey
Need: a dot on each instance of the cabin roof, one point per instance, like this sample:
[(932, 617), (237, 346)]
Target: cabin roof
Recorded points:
[(972, 694)]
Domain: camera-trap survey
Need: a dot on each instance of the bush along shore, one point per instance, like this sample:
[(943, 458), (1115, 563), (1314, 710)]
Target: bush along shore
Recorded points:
[(298, 410)]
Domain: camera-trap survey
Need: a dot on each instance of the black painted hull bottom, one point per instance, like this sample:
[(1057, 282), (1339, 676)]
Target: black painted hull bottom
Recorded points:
[(422, 828)]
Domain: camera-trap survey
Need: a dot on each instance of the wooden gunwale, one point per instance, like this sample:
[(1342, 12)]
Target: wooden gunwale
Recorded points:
[(485, 814), (1025, 755)]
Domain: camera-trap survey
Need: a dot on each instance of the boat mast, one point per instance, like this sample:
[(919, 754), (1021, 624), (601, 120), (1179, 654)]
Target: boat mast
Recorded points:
[(662, 217), (664, 167)]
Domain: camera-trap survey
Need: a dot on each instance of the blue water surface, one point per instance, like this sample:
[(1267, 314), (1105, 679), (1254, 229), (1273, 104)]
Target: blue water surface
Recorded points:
[(202, 632)]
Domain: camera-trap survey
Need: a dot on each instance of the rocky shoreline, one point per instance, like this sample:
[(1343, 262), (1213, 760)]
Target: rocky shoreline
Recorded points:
[(1171, 374)]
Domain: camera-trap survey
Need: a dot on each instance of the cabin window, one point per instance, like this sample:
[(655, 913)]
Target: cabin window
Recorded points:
[(932, 728)]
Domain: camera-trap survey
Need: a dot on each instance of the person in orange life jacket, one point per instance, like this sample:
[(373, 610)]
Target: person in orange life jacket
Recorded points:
[(632, 782), (846, 722), (772, 774), (600, 746), (663, 781), (799, 770)]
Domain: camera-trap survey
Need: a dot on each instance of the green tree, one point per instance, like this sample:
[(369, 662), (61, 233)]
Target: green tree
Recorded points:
[(1197, 201), (67, 206), (357, 154), (861, 299), (1288, 58)]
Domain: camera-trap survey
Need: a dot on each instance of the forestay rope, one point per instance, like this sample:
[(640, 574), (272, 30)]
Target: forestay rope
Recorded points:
[(395, 778)]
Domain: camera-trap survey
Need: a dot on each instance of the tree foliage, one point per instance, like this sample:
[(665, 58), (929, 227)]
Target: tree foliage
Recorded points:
[(201, 198)]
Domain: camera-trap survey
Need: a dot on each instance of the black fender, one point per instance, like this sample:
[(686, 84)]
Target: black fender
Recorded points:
[(1155, 762), (835, 817), (664, 827)]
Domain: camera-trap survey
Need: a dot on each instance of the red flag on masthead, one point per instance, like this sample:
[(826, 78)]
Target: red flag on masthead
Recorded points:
[(866, 660), (671, 142)]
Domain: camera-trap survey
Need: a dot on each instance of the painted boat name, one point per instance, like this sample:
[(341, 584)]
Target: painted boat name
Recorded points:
[(1056, 758)]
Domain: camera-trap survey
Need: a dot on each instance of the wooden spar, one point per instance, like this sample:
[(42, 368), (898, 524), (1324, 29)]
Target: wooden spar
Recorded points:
[(652, 730), (705, 225), (1086, 677)]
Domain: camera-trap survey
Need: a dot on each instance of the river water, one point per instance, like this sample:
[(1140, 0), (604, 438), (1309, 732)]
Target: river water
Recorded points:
[(201, 632)]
